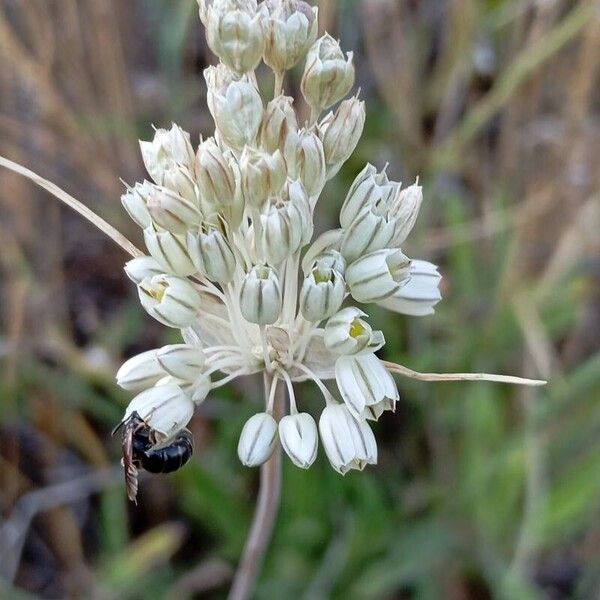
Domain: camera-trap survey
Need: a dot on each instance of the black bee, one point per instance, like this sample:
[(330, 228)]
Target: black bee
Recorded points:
[(140, 451)]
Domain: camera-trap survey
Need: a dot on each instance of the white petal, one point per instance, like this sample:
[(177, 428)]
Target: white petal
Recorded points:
[(336, 437), (298, 435), (140, 372), (166, 408), (181, 360), (420, 294)]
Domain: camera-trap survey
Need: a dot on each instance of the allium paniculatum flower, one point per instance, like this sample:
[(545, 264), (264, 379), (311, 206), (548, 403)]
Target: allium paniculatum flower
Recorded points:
[(232, 262)]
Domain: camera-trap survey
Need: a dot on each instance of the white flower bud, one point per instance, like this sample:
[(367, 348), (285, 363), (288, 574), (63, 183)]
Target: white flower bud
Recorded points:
[(237, 112), (299, 438), (322, 293), (140, 372), (285, 225), (306, 161), (295, 194), (347, 333), (366, 385), (181, 180), (134, 202), (370, 231), (348, 443), (403, 212), (262, 175), (165, 408), (171, 211), (260, 296), (328, 76), (170, 250), (377, 275), (213, 255), (167, 149), (368, 188), (328, 240), (182, 361), (257, 440), (235, 33), (171, 300), (417, 297), (340, 133), (214, 174), (141, 267), (291, 30), (218, 77), (279, 124)]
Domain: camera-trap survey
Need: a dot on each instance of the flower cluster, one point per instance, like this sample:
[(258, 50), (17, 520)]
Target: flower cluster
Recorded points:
[(229, 225)]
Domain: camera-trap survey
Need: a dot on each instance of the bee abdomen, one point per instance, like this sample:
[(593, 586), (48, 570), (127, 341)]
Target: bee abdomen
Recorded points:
[(171, 457)]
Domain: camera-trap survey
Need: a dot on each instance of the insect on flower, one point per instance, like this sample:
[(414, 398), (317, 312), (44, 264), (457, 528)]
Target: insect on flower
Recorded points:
[(142, 450)]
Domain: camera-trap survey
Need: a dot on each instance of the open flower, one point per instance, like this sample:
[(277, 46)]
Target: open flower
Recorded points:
[(349, 443)]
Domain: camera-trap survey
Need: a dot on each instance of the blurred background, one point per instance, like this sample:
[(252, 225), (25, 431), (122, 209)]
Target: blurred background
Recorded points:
[(482, 490)]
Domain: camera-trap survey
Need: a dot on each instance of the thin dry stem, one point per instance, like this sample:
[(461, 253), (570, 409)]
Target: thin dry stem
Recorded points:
[(73, 203), (401, 370), (267, 507)]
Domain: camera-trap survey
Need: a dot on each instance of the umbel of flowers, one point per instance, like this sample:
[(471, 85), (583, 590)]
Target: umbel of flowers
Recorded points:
[(232, 263)]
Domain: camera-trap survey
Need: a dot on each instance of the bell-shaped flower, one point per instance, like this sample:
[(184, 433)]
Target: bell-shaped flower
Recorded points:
[(328, 75), (285, 225), (369, 187), (291, 29), (299, 438), (377, 275), (279, 128), (171, 300), (417, 297), (235, 33), (305, 161), (218, 77), (134, 202), (262, 175), (366, 385), (349, 443), (212, 254), (170, 250), (171, 211), (140, 372), (260, 295), (168, 148), (140, 267), (322, 293), (166, 409), (347, 333), (215, 177), (403, 212), (180, 179), (181, 361), (237, 111), (340, 133), (370, 231), (257, 440)]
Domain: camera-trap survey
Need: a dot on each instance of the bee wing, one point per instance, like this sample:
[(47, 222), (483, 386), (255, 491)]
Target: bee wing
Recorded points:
[(131, 482), (129, 469)]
